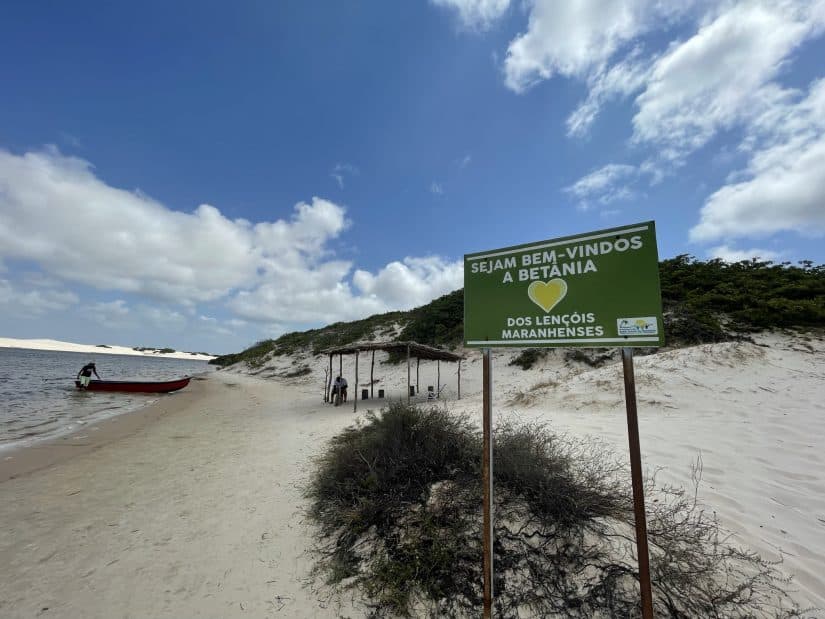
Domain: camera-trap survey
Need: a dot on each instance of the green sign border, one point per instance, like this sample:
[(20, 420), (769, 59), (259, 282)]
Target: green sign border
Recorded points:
[(653, 307)]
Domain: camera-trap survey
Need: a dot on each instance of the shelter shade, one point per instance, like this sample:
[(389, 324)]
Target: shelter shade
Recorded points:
[(421, 351), (409, 349)]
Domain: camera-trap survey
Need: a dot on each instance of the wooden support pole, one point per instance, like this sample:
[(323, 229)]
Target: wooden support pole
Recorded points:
[(487, 480), (438, 378), (408, 373), (341, 365), (638, 484), (329, 384), (372, 371), (355, 391), (417, 366), (459, 379)]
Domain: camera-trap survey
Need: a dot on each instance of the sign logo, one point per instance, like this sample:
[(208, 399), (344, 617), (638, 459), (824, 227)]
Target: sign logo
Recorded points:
[(549, 295), (637, 326)]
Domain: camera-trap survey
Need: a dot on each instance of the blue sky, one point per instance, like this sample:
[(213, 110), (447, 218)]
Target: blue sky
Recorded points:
[(203, 175)]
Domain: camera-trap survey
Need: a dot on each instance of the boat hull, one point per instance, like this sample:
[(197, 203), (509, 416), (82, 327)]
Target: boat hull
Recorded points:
[(132, 386)]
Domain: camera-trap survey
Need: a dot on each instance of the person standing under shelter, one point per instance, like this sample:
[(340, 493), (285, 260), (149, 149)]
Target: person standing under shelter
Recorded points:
[(85, 374), (336, 392), (343, 388)]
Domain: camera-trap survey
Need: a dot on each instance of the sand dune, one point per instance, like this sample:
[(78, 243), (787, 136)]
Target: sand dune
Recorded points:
[(56, 345), (198, 513)]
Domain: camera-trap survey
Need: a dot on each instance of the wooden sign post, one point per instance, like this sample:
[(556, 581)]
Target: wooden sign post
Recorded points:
[(638, 483), (487, 480)]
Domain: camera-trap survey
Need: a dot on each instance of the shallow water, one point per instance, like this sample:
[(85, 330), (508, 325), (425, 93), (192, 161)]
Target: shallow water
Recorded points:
[(38, 398)]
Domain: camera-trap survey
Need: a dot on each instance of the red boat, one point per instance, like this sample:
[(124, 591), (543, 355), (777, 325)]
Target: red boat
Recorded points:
[(134, 386)]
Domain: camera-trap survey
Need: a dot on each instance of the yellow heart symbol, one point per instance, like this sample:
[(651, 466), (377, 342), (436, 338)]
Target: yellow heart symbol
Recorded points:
[(547, 295)]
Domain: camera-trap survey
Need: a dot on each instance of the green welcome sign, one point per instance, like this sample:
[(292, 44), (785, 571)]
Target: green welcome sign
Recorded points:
[(589, 290)]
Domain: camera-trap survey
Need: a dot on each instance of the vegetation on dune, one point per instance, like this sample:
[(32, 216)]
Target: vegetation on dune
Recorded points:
[(439, 323), (254, 356), (703, 302), (397, 503), (713, 300), (152, 349), (528, 357), (314, 340)]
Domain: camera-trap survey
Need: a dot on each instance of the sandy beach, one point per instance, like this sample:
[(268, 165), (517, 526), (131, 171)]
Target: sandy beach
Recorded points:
[(193, 511), (192, 507)]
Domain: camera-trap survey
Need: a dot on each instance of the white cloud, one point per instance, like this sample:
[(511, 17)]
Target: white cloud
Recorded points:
[(786, 192), (56, 213), (25, 303), (475, 14), (578, 37), (112, 314), (721, 76), (300, 294), (324, 296), (160, 316), (211, 325), (608, 184), (411, 282), (783, 187), (436, 188), (619, 81), (464, 161), (729, 254), (341, 170)]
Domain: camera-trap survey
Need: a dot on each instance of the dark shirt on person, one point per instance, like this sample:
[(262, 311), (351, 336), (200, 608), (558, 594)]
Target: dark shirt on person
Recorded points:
[(87, 370)]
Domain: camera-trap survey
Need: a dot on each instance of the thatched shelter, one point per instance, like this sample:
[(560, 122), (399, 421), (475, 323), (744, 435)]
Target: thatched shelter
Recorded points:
[(410, 349)]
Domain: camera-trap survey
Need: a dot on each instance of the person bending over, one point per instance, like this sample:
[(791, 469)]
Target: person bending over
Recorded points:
[(85, 374)]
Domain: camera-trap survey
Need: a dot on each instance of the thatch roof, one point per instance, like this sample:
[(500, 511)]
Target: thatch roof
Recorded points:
[(416, 350)]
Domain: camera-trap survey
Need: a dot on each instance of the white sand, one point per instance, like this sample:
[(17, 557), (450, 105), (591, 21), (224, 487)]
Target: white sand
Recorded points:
[(56, 345), (199, 513), (196, 515)]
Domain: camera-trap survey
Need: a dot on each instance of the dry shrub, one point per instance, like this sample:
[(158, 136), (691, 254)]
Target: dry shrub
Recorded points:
[(397, 503)]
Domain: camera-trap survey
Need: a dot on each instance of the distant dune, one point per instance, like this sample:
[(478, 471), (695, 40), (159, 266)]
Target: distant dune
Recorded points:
[(99, 349)]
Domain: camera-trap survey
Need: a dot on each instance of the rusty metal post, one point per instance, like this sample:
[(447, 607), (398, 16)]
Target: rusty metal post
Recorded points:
[(408, 373), (638, 484), (487, 480)]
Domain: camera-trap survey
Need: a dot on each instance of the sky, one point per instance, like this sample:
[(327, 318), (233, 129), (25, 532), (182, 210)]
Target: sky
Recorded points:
[(204, 175)]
